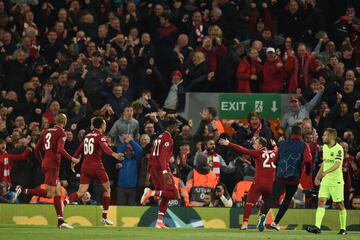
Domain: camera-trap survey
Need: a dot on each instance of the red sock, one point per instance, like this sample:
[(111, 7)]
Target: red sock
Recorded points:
[(106, 203), (58, 207), (163, 206), (160, 216), (247, 211), (73, 197), (157, 193), (37, 192)]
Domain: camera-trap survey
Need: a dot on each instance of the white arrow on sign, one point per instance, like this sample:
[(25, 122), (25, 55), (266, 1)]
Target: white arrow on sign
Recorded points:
[(274, 108)]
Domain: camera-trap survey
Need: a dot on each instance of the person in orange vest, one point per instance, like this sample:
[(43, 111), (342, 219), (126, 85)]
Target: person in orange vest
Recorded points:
[(37, 199), (200, 181), (241, 190), (184, 200)]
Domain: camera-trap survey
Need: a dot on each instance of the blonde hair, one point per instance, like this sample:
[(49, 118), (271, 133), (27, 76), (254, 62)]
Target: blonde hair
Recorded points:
[(199, 56), (215, 31)]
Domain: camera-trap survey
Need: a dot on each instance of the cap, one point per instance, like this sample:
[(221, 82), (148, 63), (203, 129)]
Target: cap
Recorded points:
[(270, 49), (176, 73), (294, 99)]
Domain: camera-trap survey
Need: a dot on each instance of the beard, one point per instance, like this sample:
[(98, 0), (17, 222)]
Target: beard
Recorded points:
[(210, 150)]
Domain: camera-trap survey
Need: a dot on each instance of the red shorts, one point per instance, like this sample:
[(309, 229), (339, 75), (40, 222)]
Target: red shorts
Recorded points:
[(51, 176), (257, 190), (159, 182), (89, 175)]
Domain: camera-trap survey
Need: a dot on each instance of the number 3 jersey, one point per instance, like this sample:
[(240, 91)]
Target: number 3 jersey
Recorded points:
[(50, 147), (264, 163), (92, 148), (161, 151)]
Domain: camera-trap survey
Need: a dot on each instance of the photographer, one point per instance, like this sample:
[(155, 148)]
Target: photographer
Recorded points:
[(222, 197), (6, 196)]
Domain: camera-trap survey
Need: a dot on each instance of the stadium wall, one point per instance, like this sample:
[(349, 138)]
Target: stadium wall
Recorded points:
[(41, 214)]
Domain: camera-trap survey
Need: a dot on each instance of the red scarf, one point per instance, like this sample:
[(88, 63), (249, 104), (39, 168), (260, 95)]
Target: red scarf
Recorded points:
[(214, 163), (6, 164), (257, 130), (304, 65)]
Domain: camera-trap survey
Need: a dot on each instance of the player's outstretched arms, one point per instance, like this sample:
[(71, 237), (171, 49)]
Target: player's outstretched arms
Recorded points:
[(118, 156), (238, 148)]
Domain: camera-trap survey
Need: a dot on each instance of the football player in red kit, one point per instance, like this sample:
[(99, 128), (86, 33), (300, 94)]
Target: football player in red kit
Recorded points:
[(92, 168), (159, 171), (264, 172), (49, 150)]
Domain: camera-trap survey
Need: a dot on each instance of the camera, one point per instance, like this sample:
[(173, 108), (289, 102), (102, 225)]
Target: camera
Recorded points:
[(218, 189)]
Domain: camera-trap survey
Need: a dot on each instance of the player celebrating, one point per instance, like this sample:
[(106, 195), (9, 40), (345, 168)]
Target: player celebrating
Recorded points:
[(331, 181), (92, 148), (160, 173), (49, 150), (264, 172)]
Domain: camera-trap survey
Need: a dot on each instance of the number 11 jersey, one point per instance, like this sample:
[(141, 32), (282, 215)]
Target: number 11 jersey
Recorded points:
[(162, 151)]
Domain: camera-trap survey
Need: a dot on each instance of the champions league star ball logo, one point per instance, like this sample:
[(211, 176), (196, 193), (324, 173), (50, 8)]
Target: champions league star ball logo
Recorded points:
[(174, 217)]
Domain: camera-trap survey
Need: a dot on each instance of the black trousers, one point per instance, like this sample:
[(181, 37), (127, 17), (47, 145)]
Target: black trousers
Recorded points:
[(279, 188)]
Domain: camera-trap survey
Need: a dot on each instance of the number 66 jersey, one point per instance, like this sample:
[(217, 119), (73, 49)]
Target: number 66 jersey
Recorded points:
[(92, 148)]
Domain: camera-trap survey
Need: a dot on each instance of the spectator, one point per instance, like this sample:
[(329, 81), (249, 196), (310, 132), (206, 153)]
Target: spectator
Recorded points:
[(249, 73), (7, 196), (86, 200), (222, 197), (200, 181), (16, 72), (273, 73), (116, 99), (301, 67), (125, 125), (215, 161), (298, 112), (127, 175), (175, 99)]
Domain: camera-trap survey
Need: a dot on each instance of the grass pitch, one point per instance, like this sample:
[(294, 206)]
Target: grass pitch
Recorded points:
[(10, 232)]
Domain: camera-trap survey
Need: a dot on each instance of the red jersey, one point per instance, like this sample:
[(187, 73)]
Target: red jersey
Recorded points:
[(50, 147), (264, 162), (162, 151), (92, 147), (6, 161)]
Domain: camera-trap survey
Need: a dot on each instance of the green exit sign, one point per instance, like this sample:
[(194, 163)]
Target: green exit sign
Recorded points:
[(237, 106)]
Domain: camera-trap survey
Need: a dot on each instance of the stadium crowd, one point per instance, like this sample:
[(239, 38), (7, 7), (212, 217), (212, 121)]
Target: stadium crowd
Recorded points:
[(132, 62)]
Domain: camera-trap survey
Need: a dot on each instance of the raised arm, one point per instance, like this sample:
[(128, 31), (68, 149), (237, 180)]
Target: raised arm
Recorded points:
[(238, 148)]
